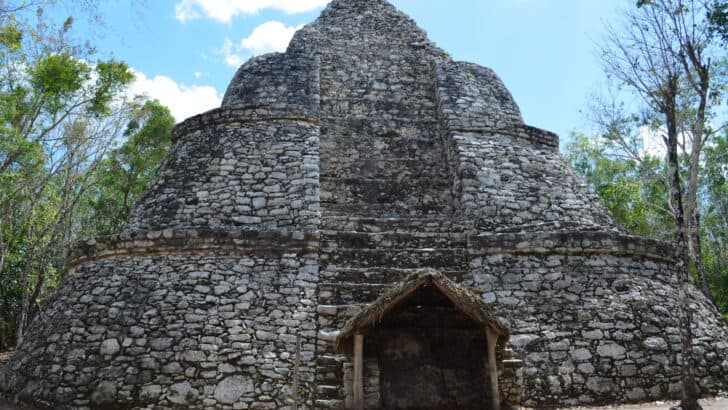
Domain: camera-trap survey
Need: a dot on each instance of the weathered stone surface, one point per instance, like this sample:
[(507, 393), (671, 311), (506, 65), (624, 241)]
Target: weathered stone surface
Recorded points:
[(523, 340), (581, 354), (230, 389), (656, 343), (331, 172), (182, 393), (104, 394), (110, 347), (150, 393), (611, 350)]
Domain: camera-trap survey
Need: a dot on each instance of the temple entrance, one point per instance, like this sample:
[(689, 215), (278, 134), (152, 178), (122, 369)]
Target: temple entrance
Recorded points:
[(431, 356), (427, 344)]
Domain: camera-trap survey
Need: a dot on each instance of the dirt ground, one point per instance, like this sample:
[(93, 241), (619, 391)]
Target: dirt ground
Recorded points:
[(708, 404), (718, 403)]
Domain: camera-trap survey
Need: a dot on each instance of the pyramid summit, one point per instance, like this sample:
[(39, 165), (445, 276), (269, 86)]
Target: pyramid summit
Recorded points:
[(364, 222)]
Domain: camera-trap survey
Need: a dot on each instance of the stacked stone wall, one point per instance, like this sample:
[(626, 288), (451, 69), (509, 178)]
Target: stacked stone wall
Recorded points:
[(509, 184), (199, 329), (473, 97), (381, 171), (275, 80), (381, 153), (593, 317), (254, 169)]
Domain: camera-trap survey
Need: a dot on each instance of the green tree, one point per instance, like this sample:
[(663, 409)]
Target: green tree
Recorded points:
[(715, 223), (59, 114), (664, 54), (629, 188), (126, 171)]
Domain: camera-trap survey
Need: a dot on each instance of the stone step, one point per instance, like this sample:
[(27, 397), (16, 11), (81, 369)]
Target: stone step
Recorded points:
[(377, 163), (379, 194), (328, 391), (329, 361), (381, 275), (329, 372), (422, 181), (328, 376), (382, 167), (391, 240), (349, 293), (331, 318), (329, 404), (421, 133), (337, 311), (388, 210), (442, 259), (399, 223)]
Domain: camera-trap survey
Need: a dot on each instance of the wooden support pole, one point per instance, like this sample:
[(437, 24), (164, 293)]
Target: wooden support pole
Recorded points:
[(358, 372), (492, 368), (296, 369)]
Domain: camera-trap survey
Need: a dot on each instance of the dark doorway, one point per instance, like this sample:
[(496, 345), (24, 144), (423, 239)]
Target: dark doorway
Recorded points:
[(431, 356)]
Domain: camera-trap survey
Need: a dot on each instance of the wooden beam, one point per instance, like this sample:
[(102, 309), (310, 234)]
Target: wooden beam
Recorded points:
[(359, 372), (492, 368)]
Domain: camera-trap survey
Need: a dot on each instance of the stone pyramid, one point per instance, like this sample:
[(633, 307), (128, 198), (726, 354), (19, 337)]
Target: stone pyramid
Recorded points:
[(330, 173)]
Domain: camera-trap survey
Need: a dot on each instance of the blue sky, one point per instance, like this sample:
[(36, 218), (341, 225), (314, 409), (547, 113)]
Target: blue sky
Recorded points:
[(186, 51)]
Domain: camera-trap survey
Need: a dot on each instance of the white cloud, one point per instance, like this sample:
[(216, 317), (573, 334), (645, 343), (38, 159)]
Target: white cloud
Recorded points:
[(184, 101), (653, 141), (225, 10), (269, 37), (231, 54)]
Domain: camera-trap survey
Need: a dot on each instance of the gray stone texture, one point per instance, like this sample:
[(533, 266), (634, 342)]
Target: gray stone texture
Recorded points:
[(228, 169), (331, 172)]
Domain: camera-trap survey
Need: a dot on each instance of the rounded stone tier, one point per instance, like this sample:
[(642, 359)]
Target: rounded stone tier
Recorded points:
[(364, 116), (212, 318), (248, 168), (175, 319)]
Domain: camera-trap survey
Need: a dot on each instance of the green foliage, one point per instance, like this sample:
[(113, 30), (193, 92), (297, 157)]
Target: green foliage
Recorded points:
[(715, 220), (112, 77), (59, 179), (716, 14), (58, 75), (125, 173), (11, 37), (56, 78), (718, 18), (639, 201), (629, 189)]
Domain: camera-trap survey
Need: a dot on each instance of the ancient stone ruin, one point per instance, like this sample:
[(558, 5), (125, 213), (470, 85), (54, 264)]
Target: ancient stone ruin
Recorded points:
[(331, 176)]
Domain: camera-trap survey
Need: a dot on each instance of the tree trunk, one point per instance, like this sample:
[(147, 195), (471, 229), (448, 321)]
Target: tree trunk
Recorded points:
[(3, 346), (33, 301), (693, 213), (689, 388), (692, 58), (698, 256), (20, 328)]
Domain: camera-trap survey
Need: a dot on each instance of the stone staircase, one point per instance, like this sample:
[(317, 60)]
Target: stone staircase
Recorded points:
[(381, 172), (361, 257)]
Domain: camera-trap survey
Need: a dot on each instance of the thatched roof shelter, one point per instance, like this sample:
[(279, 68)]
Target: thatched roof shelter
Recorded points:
[(465, 300)]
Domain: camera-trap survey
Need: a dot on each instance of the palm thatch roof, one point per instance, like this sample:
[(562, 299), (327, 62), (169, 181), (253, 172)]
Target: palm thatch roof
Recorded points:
[(465, 300)]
